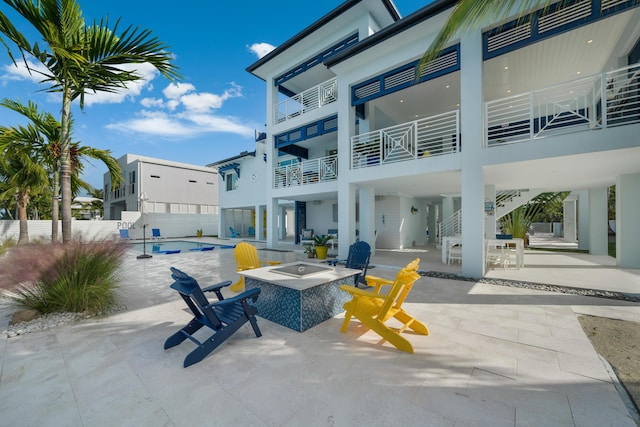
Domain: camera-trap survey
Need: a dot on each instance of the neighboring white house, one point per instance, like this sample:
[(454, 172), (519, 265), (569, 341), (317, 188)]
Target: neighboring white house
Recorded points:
[(360, 140), (161, 189)]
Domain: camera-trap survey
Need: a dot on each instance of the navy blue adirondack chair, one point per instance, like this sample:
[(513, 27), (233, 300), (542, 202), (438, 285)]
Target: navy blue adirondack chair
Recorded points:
[(223, 317), (358, 258)]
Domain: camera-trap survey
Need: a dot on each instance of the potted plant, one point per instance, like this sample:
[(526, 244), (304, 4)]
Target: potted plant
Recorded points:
[(199, 233), (320, 242), (310, 251)]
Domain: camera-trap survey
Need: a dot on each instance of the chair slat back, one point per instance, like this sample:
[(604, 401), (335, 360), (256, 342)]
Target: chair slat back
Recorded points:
[(246, 256), (192, 294), (400, 289)]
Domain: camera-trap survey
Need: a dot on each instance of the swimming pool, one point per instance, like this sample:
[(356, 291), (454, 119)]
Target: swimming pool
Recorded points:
[(177, 246)]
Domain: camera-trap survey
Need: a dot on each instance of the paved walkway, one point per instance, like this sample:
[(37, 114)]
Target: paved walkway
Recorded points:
[(495, 356)]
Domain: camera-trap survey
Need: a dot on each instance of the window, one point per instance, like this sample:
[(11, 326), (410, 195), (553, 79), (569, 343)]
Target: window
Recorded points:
[(132, 181), (232, 181)]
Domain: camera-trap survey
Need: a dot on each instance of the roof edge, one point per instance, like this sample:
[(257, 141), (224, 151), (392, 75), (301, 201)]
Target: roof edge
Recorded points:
[(388, 4), (399, 26)]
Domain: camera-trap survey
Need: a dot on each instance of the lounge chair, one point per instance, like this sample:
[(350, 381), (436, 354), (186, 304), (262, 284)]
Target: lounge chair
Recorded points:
[(246, 259), (306, 236), (223, 317), (124, 233), (233, 233), (155, 234), (373, 309), (358, 258)]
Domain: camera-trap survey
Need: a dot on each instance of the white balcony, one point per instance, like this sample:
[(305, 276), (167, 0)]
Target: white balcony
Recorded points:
[(430, 136), (304, 102), (308, 172), (569, 107)]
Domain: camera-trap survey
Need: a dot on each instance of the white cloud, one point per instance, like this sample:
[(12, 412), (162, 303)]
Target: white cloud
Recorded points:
[(176, 90), (19, 71), (145, 71), (152, 102), (203, 102), (261, 49)]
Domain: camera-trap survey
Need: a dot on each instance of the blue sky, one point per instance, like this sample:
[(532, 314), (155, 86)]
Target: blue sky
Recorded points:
[(211, 114)]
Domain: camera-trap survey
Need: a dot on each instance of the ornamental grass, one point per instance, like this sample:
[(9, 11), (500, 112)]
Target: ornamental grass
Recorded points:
[(79, 277)]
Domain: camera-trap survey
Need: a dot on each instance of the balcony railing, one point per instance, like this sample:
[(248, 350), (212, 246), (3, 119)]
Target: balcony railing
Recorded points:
[(304, 102), (314, 171), (566, 108), (431, 136)]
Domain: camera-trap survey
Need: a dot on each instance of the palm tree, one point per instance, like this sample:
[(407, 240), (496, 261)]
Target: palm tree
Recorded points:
[(21, 170), (81, 58), (469, 14), (45, 140)]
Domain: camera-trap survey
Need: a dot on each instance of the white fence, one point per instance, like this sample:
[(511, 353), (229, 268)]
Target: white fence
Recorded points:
[(170, 225)]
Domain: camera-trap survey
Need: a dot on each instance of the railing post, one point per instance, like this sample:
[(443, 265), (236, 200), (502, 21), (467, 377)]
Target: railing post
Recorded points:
[(603, 98), (531, 114)]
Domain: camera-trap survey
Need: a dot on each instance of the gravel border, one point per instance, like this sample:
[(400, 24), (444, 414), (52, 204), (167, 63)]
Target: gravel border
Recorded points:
[(621, 296)]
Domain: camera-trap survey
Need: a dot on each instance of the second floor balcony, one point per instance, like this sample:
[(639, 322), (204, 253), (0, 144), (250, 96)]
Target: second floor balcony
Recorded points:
[(431, 136), (322, 169), (307, 101), (591, 103)]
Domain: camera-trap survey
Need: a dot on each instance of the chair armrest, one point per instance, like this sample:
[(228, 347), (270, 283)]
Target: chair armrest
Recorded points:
[(273, 262), (334, 262), (377, 282), (216, 288), (360, 292), (250, 294)]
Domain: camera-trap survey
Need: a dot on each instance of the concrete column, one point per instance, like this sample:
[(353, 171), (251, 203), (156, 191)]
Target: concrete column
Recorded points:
[(447, 207), (490, 215), (598, 223), (472, 191), (367, 200), (628, 221), (272, 204), (583, 219), (432, 222), (570, 220), (346, 219), (346, 191)]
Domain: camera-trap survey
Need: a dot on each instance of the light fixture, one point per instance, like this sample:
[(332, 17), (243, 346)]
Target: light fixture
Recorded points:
[(589, 41), (447, 86), (506, 67), (401, 101), (414, 210), (578, 72), (508, 90)]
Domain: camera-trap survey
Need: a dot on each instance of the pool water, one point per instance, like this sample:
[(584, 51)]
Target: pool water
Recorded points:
[(176, 246)]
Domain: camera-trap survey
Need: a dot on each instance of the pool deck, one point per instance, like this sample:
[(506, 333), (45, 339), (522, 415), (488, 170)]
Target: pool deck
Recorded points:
[(495, 356)]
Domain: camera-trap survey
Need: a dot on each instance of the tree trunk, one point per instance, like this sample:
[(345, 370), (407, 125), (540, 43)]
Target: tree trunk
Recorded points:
[(22, 200), (55, 214), (65, 166)]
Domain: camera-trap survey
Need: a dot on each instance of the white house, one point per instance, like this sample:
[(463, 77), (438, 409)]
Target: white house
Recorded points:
[(360, 140), (161, 189)]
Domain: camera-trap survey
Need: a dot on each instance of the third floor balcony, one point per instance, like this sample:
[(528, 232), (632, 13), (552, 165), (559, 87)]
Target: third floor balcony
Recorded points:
[(307, 101)]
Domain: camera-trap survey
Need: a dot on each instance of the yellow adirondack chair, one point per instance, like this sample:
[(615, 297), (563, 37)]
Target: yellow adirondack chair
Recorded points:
[(373, 309), (246, 259)]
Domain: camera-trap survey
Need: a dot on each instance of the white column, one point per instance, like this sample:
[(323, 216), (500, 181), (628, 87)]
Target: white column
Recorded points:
[(471, 108), (490, 215), (583, 219), (447, 207), (628, 221), (598, 223), (272, 204), (367, 200), (570, 219), (346, 191), (432, 221)]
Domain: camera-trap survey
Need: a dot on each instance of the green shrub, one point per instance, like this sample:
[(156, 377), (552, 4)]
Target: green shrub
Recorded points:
[(79, 277)]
